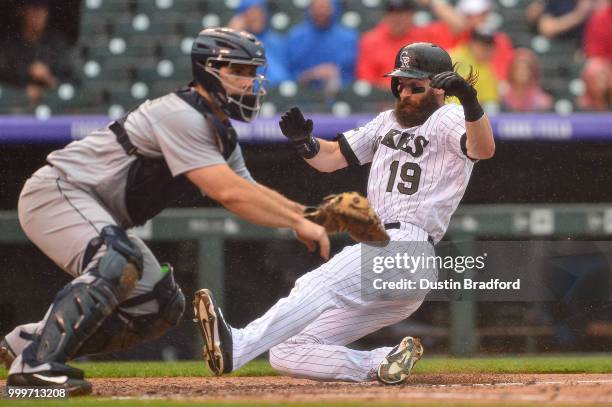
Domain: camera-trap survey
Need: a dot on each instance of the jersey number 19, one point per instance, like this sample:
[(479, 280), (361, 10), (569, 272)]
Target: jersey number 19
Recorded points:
[(410, 173)]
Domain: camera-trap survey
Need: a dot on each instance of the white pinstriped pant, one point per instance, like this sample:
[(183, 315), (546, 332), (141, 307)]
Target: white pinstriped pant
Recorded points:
[(307, 331)]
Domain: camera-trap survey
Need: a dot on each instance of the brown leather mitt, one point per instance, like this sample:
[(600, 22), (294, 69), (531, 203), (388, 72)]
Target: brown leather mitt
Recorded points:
[(348, 212)]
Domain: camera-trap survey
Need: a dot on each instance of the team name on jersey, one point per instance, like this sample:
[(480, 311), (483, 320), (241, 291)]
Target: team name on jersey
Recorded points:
[(407, 142)]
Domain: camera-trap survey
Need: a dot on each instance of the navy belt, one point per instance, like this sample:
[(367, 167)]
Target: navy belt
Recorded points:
[(398, 225)]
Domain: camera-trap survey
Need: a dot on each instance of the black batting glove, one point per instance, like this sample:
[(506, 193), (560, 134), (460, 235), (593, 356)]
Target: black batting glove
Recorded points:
[(299, 131), (454, 84)]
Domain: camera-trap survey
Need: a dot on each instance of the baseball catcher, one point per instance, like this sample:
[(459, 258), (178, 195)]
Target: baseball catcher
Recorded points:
[(78, 210)]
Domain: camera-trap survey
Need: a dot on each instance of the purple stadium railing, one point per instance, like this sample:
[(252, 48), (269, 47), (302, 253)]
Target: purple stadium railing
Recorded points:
[(508, 126)]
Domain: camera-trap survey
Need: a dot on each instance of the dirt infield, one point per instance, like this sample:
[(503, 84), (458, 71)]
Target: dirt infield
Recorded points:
[(436, 388)]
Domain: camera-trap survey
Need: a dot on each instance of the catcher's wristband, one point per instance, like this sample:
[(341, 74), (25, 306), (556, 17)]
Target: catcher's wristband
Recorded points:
[(309, 148)]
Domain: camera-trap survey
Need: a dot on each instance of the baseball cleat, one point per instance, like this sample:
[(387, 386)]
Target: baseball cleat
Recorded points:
[(67, 377), (396, 366), (6, 353), (216, 333)]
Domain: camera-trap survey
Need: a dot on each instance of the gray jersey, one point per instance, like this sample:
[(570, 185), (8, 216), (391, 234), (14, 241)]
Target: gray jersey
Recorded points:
[(166, 126)]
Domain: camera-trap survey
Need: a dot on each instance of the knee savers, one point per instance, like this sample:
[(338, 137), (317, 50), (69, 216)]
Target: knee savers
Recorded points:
[(121, 265), (121, 331), (81, 307)]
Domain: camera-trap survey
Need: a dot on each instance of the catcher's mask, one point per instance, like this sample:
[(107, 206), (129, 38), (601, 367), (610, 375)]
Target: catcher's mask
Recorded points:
[(215, 48), (421, 60)]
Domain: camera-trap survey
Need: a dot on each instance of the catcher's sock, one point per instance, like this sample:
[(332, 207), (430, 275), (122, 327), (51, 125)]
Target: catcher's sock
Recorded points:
[(20, 366), (20, 337)]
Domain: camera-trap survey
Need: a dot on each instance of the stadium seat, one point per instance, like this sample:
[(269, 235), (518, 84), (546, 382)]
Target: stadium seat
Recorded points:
[(76, 99), (308, 98), (180, 6), (171, 48), (12, 100), (107, 6), (363, 98), (159, 88), (369, 16), (295, 14)]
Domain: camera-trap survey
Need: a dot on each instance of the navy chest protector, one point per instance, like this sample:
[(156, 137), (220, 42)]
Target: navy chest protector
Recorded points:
[(150, 186)]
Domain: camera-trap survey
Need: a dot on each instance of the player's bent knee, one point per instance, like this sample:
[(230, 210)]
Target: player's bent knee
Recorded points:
[(122, 264), (278, 358)]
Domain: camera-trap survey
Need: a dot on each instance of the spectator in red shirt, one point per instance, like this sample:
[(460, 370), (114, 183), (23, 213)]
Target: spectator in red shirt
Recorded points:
[(377, 47), (597, 78), (522, 92), (456, 24), (598, 35)]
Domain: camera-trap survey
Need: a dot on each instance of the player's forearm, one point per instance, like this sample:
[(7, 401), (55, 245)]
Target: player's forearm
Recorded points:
[(329, 158), (258, 206), (283, 200), (480, 144), (242, 197)]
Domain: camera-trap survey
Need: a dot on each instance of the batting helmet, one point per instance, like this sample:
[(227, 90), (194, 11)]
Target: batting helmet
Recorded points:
[(421, 60), (216, 47)]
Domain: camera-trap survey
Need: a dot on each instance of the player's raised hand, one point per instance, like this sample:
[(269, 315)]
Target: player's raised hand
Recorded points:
[(453, 84), (294, 126), (311, 235), (297, 129)]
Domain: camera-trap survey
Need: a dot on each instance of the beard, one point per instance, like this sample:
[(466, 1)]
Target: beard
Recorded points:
[(410, 114)]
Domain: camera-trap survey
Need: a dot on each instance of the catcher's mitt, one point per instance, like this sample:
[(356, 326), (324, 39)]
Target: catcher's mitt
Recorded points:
[(348, 212)]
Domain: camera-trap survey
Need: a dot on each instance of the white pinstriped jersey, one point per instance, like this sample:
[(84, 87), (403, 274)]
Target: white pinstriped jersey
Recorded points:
[(418, 174)]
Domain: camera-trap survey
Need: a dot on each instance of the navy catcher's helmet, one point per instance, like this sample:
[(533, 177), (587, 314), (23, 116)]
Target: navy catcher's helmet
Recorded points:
[(216, 47), (421, 60)]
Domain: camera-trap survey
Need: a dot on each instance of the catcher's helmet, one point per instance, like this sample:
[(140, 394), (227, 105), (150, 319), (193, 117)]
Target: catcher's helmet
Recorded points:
[(421, 60), (216, 47)]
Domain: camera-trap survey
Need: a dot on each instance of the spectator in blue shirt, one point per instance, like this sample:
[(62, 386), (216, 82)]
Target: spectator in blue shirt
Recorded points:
[(565, 19), (253, 16), (320, 50)]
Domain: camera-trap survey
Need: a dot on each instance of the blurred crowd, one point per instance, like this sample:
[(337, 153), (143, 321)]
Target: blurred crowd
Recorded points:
[(34, 55), (322, 53)]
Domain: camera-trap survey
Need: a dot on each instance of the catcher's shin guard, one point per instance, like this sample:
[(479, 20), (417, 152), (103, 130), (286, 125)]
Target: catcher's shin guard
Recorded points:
[(217, 335), (80, 308), (398, 364), (121, 331)]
